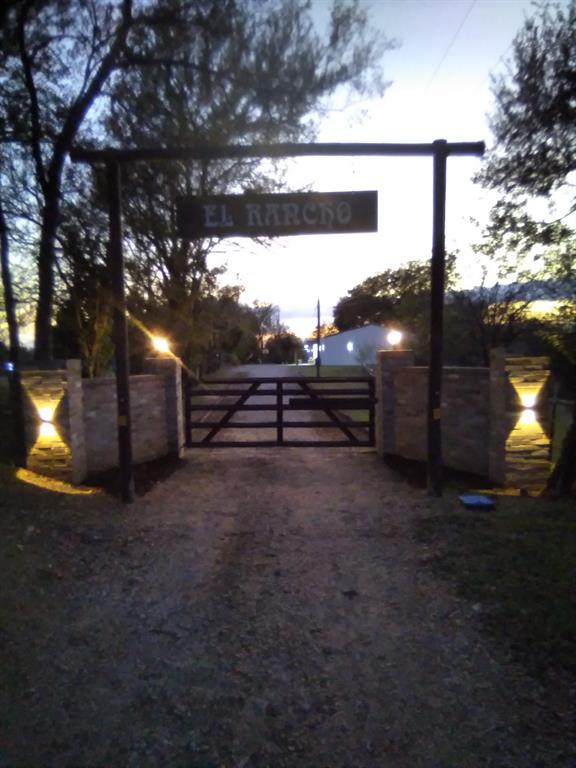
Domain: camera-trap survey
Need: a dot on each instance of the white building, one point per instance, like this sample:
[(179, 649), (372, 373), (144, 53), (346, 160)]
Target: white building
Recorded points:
[(355, 347)]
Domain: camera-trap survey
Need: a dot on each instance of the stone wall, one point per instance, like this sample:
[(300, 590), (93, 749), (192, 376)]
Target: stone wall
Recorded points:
[(486, 429), (148, 411), (71, 423), (465, 417)]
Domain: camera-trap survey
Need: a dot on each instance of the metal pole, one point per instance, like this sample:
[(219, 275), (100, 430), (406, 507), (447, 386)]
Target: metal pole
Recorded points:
[(436, 321), (318, 361), (116, 270)]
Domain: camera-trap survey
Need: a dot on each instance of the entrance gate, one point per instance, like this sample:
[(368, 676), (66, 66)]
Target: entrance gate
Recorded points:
[(348, 403), (440, 150)]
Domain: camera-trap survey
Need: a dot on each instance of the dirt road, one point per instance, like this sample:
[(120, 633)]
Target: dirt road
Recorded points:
[(258, 608)]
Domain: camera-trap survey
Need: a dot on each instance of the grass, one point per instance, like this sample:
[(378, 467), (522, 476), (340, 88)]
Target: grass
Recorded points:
[(519, 564)]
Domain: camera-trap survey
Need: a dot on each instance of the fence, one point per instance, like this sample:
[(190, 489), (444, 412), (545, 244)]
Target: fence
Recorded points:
[(494, 419)]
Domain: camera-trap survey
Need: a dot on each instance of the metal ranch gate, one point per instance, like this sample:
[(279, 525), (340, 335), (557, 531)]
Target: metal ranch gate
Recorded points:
[(283, 397)]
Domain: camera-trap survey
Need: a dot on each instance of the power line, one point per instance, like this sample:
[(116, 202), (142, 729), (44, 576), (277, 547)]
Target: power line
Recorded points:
[(451, 44)]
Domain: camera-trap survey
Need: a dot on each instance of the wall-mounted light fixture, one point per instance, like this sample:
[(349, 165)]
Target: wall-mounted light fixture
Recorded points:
[(46, 414), (528, 394)]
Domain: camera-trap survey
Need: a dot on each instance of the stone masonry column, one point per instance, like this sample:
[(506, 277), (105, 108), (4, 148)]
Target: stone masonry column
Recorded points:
[(75, 423), (171, 369), (387, 363), (54, 419), (519, 442)]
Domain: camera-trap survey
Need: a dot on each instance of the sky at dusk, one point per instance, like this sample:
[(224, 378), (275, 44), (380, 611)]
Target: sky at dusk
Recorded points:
[(440, 89)]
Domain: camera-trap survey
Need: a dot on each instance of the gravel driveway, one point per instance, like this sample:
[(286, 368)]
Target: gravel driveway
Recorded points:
[(258, 608)]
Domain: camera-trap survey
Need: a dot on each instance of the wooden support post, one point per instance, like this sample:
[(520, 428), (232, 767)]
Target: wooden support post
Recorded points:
[(116, 270), (436, 321)]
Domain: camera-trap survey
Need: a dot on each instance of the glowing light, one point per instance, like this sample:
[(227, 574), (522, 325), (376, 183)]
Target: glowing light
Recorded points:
[(527, 418), (51, 484), (528, 392), (350, 346), (160, 344), (48, 431), (394, 338), (46, 412), (528, 399)]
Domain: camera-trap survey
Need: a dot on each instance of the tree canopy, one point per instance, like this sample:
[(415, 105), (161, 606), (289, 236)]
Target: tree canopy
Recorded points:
[(534, 154), (534, 116), (397, 297), (155, 72)]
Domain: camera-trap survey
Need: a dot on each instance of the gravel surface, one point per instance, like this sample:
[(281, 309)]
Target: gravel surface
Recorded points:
[(257, 608)]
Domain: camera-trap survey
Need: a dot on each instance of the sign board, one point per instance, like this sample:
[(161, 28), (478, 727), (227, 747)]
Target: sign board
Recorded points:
[(252, 215)]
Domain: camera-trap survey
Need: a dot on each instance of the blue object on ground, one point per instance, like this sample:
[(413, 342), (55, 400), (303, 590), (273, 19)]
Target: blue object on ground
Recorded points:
[(477, 502)]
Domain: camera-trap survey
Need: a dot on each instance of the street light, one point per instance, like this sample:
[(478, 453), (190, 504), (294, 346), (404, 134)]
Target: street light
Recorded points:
[(394, 338)]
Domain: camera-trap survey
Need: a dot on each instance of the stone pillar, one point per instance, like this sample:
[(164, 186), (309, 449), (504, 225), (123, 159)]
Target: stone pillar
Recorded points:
[(171, 369), (387, 362), (519, 439), (54, 419)]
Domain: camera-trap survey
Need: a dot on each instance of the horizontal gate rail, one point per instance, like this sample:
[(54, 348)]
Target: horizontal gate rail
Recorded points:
[(332, 395), (273, 393), (293, 380), (285, 444), (352, 404), (275, 424)]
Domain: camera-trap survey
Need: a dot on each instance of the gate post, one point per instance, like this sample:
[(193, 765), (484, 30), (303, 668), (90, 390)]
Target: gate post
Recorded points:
[(169, 368), (387, 363), (120, 332), (436, 320)]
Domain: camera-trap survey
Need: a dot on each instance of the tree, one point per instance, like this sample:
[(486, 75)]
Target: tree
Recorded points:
[(267, 323), (326, 329), (60, 55), (229, 72), (284, 347), (497, 312), (399, 297), (534, 153)]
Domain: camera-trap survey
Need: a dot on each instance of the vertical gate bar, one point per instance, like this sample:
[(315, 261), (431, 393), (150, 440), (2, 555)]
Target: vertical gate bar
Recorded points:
[(436, 321), (279, 413), (187, 394), (116, 270), (371, 414)]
